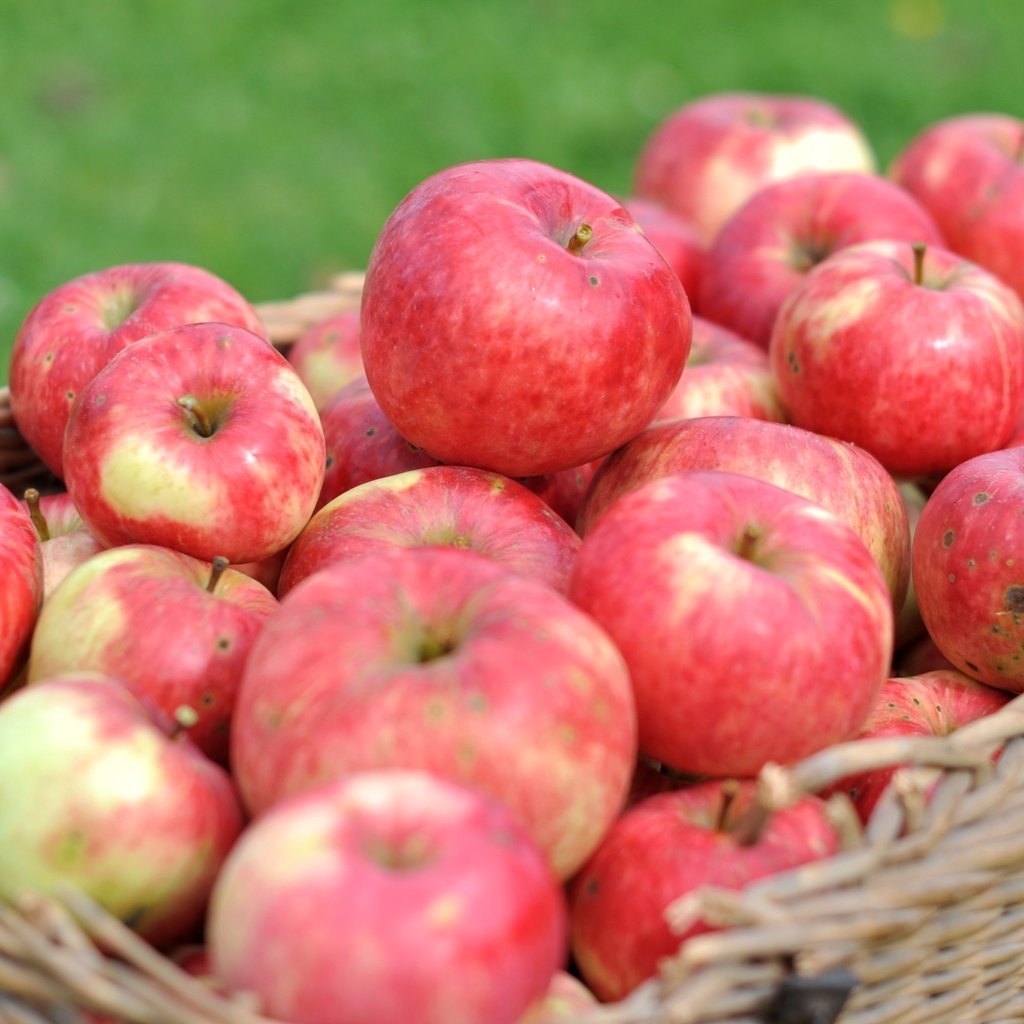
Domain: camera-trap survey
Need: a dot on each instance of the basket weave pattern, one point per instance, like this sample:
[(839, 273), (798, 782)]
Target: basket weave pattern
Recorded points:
[(918, 920)]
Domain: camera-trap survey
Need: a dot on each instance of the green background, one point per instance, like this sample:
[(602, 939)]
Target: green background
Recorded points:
[(267, 141)]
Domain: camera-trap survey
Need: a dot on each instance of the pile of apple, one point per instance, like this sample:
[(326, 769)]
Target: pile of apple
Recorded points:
[(415, 673)]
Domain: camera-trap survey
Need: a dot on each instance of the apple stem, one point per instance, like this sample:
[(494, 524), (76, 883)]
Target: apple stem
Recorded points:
[(217, 567), (919, 251), (583, 235), (197, 418), (730, 789), (748, 542), (184, 718), (31, 497)]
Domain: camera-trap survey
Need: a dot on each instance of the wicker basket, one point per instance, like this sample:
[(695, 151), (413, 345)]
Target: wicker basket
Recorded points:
[(918, 920)]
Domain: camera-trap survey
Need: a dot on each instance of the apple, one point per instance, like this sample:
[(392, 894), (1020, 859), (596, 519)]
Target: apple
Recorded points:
[(202, 439), (76, 328), (920, 656), (566, 999), (706, 158), (666, 847), (65, 540), (516, 318), (676, 240), (327, 355), (390, 897), (756, 625), (440, 659), (967, 567), (910, 352), (21, 583), (725, 375), (966, 170), (767, 247), (934, 703), (840, 476), (177, 628), (105, 794), (458, 506)]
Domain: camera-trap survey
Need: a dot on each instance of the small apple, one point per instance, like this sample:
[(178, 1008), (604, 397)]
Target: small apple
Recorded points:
[(389, 897), (65, 540), (327, 356), (75, 329), (517, 319), (21, 583), (201, 439)]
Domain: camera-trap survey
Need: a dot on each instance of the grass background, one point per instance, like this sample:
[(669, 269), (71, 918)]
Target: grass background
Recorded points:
[(268, 140)]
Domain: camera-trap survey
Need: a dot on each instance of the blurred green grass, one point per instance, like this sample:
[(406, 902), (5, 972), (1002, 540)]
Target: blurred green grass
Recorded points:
[(267, 141)]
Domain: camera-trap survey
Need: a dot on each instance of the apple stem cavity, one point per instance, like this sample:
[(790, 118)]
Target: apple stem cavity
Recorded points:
[(217, 567), (919, 251), (583, 235), (746, 547), (42, 528), (196, 415)]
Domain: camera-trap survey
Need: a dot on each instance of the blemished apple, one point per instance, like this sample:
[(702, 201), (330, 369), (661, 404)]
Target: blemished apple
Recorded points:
[(911, 352), (201, 439), (840, 476), (756, 625), (76, 328), (389, 897), (64, 539), (178, 628), (706, 158), (21, 583), (767, 247), (934, 703), (327, 356), (676, 240), (443, 660), (967, 171), (455, 506), (968, 571), (666, 847), (725, 375), (516, 318), (104, 794)]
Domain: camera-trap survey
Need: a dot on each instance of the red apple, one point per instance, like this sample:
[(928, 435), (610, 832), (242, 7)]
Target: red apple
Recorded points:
[(710, 155), (202, 439), (967, 171), (932, 704), (841, 477), (766, 248), (517, 319), (388, 897), (327, 356), (65, 540), (21, 583), (176, 627), (102, 793), (968, 570), (676, 240), (918, 657), (725, 375), (915, 355), (74, 331), (666, 847), (456, 506), (443, 660), (755, 623)]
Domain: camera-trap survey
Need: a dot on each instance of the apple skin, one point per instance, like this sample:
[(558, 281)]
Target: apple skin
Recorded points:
[(841, 477), (388, 897), (327, 356), (489, 342), (674, 238), (922, 375), (967, 570), (931, 704), (966, 170), (442, 660), (769, 244), (755, 623), (144, 614), (665, 847), (725, 375), (76, 328), (65, 540), (21, 583), (705, 159), (457, 506), (142, 469), (100, 794)]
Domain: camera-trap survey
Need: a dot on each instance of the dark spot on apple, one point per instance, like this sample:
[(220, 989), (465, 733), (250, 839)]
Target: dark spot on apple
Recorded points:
[(794, 365), (330, 461), (593, 280), (938, 707), (951, 577), (981, 497), (891, 703), (593, 887), (371, 432), (970, 563), (917, 702), (971, 666), (224, 643), (71, 396), (207, 700), (1014, 598), (947, 538), (48, 358), (99, 400)]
